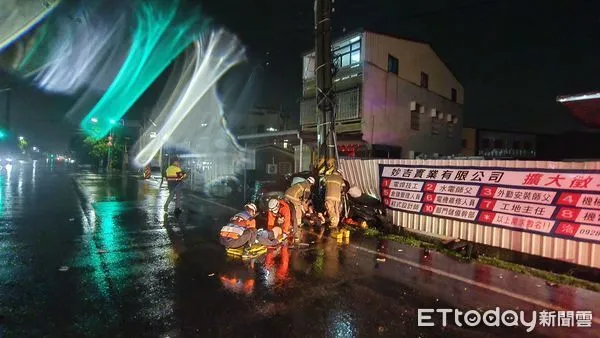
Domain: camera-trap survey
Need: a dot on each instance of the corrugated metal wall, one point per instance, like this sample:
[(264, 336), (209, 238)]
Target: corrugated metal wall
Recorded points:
[(365, 174)]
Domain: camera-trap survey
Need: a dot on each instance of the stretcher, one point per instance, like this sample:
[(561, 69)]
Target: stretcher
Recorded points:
[(255, 251)]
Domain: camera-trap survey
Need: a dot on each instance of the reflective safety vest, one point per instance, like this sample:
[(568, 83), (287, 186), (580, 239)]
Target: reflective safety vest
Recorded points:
[(298, 192), (232, 231), (237, 225), (174, 173), (333, 187), (243, 219)]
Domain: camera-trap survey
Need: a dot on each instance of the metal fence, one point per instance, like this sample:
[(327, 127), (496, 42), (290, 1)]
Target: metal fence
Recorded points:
[(347, 105), (365, 174)]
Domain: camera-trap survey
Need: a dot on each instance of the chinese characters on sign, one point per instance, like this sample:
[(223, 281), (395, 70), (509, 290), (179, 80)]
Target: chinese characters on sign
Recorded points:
[(551, 202)]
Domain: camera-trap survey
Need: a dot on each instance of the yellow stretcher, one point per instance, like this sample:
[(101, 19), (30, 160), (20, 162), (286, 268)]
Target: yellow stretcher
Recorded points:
[(255, 251)]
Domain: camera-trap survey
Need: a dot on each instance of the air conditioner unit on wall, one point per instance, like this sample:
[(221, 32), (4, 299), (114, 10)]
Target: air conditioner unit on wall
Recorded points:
[(414, 106), (272, 169), (434, 112)]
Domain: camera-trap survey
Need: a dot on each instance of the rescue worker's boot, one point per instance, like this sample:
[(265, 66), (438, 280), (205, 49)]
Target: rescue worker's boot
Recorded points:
[(336, 233)]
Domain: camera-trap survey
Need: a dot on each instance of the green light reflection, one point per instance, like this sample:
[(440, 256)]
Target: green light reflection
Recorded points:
[(160, 36)]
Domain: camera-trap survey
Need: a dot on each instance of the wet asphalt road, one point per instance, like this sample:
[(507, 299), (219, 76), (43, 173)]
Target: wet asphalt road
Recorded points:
[(89, 255)]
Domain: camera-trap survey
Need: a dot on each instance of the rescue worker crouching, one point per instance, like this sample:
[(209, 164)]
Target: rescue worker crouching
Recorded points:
[(175, 176), (296, 195), (334, 186), (241, 230), (279, 215)]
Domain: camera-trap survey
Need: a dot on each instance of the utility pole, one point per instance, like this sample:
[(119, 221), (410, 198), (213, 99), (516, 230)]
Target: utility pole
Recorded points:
[(324, 81)]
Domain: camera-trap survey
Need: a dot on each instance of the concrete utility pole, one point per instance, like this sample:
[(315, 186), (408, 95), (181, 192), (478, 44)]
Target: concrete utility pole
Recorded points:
[(324, 81)]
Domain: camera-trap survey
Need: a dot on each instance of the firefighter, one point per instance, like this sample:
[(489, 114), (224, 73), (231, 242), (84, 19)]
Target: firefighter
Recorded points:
[(296, 195), (175, 176), (279, 216), (334, 186), (241, 229)]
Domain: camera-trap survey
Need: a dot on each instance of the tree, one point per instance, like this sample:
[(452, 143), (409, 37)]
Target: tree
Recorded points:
[(98, 150)]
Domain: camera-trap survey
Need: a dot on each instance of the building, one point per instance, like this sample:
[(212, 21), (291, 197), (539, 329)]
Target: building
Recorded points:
[(498, 144), (260, 120), (393, 96)]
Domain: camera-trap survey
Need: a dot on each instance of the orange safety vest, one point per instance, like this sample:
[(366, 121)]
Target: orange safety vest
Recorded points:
[(237, 225)]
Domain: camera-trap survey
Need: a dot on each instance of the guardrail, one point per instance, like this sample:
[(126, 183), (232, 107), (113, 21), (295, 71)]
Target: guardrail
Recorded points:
[(563, 224)]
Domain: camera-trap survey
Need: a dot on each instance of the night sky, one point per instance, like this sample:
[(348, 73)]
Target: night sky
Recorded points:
[(513, 57)]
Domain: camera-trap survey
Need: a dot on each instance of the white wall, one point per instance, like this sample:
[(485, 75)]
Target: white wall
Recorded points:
[(387, 117)]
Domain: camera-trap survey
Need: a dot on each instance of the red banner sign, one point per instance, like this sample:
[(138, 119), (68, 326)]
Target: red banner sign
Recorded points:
[(558, 203)]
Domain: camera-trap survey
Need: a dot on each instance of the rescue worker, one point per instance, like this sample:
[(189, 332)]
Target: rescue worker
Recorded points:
[(334, 186), (175, 176), (241, 229), (296, 195), (279, 216)]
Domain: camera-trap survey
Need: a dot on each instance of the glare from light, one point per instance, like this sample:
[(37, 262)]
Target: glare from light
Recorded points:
[(194, 96), (112, 121), (204, 125), (87, 41), (94, 120), (159, 37), (34, 148), (271, 129), (153, 134), (579, 97), (21, 138)]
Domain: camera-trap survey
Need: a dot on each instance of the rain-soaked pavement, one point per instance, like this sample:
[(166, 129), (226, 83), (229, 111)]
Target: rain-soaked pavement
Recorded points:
[(89, 255)]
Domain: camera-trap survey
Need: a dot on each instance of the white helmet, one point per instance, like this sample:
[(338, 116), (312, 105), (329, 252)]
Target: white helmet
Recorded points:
[(311, 180), (273, 205), (251, 206)]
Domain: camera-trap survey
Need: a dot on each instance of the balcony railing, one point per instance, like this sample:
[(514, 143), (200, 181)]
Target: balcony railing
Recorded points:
[(347, 107)]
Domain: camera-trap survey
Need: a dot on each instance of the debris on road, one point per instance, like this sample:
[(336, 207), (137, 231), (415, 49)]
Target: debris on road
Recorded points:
[(63, 268)]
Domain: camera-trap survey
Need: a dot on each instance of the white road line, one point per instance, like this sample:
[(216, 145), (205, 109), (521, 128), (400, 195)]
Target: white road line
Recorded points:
[(472, 282)]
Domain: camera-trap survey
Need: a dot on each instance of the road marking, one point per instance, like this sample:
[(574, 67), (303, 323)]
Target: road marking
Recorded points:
[(469, 281)]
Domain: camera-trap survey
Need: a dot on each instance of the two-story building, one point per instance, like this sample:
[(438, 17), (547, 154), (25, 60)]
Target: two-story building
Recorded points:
[(392, 95)]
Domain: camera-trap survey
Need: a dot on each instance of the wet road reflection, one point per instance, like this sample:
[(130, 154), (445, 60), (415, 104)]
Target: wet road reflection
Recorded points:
[(134, 271)]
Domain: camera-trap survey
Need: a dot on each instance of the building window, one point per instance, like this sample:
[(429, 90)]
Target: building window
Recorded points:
[(435, 126), (392, 64), (453, 95), (424, 80), (415, 120), (486, 143), (347, 53), (450, 130)]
